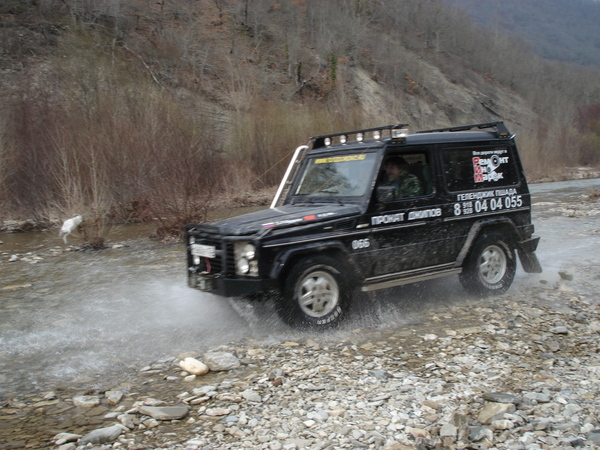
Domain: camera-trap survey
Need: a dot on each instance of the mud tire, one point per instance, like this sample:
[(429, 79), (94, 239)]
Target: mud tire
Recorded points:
[(316, 293), (490, 267)]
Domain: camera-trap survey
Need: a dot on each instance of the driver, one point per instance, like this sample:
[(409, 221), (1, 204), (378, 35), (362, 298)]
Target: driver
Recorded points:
[(405, 184)]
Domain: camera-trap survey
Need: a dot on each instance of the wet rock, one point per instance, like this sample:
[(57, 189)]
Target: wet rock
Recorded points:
[(221, 361), (165, 412), (86, 401), (114, 397), (102, 435), (193, 366), (564, 275), (69, 446), (63, 438)]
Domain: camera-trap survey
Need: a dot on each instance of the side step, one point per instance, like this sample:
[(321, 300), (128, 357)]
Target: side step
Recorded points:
[(410, 276)]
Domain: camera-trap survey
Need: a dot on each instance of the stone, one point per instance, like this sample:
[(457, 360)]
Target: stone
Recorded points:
[(564, 275), (69, 446), (193, 366), (499, 397), (594, 437), (494, 411), (221, 361), (102, 435), (165, 412), (503, 424), (127, 420), (538, 397), (448, 430), (62, 438), (86, 401), (252, 396), (114, 397)]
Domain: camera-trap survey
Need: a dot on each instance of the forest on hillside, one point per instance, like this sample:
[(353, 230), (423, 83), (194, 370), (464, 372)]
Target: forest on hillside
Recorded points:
[(561, 30), (136, 109)]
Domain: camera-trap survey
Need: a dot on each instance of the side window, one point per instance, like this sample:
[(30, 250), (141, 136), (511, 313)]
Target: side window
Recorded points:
[(478, 168), (405, 175)]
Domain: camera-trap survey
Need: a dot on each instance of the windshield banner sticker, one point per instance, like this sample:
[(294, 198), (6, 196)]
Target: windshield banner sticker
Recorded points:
[(486, 165), (337, 159)]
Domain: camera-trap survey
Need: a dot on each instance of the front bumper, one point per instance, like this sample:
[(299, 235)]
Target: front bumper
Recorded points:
[(228, 287)]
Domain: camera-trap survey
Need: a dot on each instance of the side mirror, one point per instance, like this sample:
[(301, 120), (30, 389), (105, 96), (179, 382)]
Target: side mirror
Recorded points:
[(385, 194)]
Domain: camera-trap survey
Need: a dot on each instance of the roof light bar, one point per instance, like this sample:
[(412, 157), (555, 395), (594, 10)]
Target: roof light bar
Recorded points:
[(396, 132)]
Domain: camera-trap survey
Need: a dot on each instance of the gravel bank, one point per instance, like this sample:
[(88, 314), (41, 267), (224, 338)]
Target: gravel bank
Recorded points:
[(517, 372)]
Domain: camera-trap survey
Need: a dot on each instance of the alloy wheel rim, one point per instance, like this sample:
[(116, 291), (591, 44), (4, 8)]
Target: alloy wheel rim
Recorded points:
[(492, 264), (318, 294)]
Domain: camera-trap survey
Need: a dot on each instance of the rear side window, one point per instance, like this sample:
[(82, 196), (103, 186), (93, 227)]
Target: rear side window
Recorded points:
[(478, 168)]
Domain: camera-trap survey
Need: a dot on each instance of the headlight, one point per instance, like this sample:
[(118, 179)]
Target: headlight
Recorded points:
[(243, 266), (245, 259), (248, 251)]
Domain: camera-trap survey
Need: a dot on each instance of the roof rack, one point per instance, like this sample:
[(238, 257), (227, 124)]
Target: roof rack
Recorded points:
[(396, 132), (501, 129)]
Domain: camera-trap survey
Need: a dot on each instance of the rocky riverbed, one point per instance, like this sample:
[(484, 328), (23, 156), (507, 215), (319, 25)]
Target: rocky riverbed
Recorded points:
[(521, 371)]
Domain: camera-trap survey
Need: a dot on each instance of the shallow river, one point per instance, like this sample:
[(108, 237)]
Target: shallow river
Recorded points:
[(69, 318)]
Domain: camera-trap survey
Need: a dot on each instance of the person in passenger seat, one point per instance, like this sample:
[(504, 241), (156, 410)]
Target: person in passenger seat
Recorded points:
[(397, 175)]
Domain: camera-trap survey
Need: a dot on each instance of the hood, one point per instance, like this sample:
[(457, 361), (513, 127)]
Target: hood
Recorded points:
[(282, 217)]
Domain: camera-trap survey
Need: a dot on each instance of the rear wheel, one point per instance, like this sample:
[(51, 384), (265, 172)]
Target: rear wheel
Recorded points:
[(490, 267), (316, 293)]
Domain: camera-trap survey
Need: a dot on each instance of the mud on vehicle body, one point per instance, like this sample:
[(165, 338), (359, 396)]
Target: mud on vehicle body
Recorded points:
[(371, 209)]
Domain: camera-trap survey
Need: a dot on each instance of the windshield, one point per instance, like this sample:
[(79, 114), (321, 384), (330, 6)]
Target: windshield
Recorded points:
[(337, 176)]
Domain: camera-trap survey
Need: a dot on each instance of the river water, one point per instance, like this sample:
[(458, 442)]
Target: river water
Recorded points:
[(74, 318)]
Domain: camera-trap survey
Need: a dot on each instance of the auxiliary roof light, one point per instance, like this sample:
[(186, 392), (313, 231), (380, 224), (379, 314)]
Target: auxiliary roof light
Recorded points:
[(377, 134), (343, 139), (360, 137), (399, 133), (328, 141)]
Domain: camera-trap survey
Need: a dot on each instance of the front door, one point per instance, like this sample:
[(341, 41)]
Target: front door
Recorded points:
[(405, 218)]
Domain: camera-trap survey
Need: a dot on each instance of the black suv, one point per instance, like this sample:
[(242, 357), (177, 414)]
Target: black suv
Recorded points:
[(372, 209)]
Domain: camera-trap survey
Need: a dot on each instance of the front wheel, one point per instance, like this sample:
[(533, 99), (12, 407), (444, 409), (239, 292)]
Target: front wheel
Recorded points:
[(490, 267), (316, 293)]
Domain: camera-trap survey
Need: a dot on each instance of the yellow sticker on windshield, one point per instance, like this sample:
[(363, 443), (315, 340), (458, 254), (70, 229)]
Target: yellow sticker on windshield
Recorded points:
[(336, 159)]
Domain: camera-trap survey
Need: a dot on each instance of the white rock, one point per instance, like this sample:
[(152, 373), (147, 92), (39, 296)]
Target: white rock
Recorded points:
[(102, 435), (252, 396), (193, 366), (86, 401)]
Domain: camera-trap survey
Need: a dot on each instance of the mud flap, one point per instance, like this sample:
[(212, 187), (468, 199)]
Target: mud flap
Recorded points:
[(527, 255), (530, 262)]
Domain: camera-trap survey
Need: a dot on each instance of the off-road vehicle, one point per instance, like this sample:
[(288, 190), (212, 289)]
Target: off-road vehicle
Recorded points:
[(372, 209)]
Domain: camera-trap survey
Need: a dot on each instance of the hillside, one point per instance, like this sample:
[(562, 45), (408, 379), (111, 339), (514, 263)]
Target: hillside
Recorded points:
[(562, 30), (128, 110)]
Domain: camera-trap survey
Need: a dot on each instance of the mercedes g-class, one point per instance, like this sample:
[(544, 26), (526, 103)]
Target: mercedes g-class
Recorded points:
[(372, 209)]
